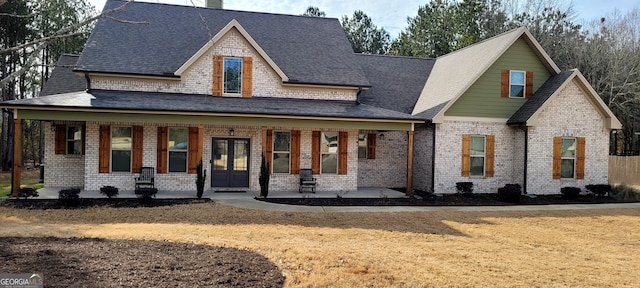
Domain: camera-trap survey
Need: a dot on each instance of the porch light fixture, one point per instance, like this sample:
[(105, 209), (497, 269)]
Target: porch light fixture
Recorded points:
[(232, 132), (381, 136)]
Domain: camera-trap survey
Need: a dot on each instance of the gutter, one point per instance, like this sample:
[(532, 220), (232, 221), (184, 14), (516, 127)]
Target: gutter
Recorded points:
[(433, 159)]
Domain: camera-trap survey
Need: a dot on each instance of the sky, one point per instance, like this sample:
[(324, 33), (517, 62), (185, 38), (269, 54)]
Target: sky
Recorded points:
[(388, 14)]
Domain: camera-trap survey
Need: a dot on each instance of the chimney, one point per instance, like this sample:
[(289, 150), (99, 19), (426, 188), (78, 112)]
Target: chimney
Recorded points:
[(217, 4)]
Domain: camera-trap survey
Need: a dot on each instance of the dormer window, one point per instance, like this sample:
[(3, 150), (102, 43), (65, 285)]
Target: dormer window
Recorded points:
[(516, 84), (232, 75)]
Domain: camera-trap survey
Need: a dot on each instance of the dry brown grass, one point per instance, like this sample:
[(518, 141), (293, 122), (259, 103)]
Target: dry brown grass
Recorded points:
[(582, 248)]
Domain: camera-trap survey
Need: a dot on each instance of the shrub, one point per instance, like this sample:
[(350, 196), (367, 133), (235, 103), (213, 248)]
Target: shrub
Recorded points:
[(27, 192), (464, 187), (625, 193), (599, 189), (510, 193), (201, 176), (109, 191), (145, 194), (69, 197), (570, 192)]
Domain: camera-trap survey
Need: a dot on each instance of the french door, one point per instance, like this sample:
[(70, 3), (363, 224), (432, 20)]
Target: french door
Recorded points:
[(230, 162)]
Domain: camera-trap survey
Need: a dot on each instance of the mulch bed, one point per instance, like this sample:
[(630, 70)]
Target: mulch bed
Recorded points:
[(443, 200), (44, 204), (89, 262)]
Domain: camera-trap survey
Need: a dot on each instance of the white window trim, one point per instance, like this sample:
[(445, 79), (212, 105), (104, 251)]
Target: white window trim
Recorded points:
[(524, 84), (273, 153), (186, 166), (66, 136), (111, 150), (224, 78), (327, 153), (484, 155), (574, 158)]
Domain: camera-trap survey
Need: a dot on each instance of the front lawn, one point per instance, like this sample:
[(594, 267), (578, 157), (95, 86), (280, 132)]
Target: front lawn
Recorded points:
[(580, 248), (30, 179)]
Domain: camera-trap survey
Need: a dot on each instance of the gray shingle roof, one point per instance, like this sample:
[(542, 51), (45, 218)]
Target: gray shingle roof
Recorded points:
[(396, 82), (308, 49), (539, 98), (62, 79), (169, 102)]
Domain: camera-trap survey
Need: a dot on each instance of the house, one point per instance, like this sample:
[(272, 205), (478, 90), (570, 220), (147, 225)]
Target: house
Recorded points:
[(227, 87)]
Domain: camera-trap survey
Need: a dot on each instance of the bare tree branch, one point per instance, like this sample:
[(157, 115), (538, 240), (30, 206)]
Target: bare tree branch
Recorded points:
[(44, 39)]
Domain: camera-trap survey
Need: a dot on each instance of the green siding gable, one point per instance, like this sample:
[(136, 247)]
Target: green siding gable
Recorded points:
[(483, 99)]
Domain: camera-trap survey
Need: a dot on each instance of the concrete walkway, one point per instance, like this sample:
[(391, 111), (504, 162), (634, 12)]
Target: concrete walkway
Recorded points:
[(246, 200)]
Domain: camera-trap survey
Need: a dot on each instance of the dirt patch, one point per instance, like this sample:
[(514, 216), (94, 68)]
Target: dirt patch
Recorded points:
[(443, 200), (83, 203), (90, 262)]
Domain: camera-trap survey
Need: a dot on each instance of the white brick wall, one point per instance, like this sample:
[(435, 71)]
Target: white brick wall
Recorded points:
[(422, 157), (570, 114), (87, 176), (198, 78), (61, 171), (389, 169), (448, 160)]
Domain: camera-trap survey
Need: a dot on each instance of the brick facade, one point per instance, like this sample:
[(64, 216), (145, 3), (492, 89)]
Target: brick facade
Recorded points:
[(448, 161), (569, 114), (422, 157), (61, 171), (389, 169)]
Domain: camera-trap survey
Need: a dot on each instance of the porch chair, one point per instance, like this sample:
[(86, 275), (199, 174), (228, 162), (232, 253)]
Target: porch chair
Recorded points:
[(146, 178), (307, 181)]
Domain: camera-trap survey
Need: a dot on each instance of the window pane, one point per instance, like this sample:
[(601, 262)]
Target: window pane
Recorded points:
[(517, 91), (178, 138), (220, 148), (120, 161), (568, 148), (517, 77), (121, 138), (74, 147), (74, 133), (280, 162), (362, 146), (240, 156), (477, 146), (177, 161), (232, 75), (329, 142), (477, 166), (329, 163), (566, 168), (281, 141)]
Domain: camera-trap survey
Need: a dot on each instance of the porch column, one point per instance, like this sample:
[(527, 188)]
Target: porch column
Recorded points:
[(17, 157), (409, 191)]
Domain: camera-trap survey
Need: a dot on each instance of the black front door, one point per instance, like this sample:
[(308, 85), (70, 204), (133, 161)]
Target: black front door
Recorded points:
[(230, 162)]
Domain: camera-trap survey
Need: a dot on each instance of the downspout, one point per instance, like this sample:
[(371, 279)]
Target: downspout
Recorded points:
[(86, 77), (433, 159), (526, 153)]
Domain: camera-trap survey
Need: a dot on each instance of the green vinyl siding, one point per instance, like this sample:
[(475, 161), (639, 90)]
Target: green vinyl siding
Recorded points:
[(483, 99)]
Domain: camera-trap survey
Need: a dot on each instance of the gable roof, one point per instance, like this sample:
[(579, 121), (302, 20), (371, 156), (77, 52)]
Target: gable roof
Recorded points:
[(62, 79), (309, 50), (528, 113), (396, 82), (455, 72)]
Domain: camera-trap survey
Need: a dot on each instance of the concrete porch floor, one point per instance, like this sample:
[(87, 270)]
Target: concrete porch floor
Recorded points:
[(365, 192)]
